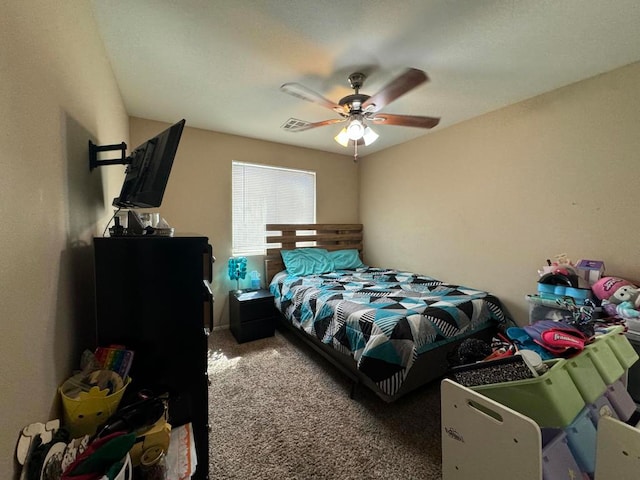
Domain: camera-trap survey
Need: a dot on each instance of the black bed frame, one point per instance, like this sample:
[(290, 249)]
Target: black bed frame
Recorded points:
[(428, 367)]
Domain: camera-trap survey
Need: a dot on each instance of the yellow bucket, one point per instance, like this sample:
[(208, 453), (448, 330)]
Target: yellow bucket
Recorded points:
[(84, 413)]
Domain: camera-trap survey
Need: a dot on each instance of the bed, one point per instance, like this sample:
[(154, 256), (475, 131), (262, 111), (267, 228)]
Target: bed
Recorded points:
[(389, 330)]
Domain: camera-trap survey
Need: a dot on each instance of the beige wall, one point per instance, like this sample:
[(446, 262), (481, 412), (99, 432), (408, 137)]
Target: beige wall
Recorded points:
[(57, 91), (485, 202), (198, 195)]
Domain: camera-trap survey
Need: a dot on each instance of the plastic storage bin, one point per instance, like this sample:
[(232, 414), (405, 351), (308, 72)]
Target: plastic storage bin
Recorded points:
[(552, 292), (551, 400), (601, 408), (582, 438), (605, 360), (83, 414), (620, 400), (557, 459), (584, 374), (633, 378), (621, 347), (546, 309)]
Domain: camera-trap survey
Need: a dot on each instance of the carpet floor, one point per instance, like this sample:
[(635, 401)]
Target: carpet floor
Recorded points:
[(278, 410)]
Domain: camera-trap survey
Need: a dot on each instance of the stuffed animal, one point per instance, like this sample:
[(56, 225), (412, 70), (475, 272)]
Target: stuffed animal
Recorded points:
[(619, 297)]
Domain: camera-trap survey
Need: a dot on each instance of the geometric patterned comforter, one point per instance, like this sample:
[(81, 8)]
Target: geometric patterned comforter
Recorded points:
[(383, 318)]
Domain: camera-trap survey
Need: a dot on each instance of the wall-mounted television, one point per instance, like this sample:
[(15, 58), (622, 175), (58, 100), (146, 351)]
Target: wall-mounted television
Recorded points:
[(148, 169)]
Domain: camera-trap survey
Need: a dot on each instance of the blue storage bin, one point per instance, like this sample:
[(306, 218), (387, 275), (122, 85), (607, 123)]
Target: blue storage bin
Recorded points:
[(582, 439), (553, 292), (557, 460)]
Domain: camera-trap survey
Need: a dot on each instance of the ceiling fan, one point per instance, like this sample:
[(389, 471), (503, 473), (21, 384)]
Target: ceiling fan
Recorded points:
[(359, 109)]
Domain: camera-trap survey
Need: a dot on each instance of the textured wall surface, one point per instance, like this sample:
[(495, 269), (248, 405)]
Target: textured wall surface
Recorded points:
[(57, 92), (484, 203)]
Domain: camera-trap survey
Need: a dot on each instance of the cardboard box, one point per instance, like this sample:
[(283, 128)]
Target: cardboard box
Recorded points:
[(590, 270)]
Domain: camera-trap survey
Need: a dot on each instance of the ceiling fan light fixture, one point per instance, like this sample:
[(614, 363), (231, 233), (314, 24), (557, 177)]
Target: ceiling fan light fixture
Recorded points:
[(367, 139), (342, 137), (369, 136), (355, 129)]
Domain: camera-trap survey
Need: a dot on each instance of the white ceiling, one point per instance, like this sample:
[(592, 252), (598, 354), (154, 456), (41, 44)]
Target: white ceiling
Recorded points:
[(220, 63)]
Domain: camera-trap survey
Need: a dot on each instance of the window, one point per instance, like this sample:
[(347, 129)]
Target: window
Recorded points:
[(261, 195)]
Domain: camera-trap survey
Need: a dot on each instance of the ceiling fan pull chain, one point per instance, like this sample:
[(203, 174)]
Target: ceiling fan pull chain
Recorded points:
[(355, 152)]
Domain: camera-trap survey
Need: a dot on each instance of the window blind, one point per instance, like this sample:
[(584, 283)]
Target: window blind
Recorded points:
[(264, 194)]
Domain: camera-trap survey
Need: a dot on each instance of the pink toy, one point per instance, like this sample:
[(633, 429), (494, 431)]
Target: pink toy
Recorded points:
[(616, 290), (619, 297)]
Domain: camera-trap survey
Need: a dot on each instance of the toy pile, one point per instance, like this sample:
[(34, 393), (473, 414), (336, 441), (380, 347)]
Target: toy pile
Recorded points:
[(100, 439), (521, 353), (561, 284), (569, 367), (574, 304)]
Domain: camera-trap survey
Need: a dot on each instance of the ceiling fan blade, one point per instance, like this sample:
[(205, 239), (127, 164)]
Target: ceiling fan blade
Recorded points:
[(300, 91), (410, 79), (295, 125), (405, 120)]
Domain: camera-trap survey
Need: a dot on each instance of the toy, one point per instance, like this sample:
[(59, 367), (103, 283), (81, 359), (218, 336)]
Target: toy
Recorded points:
[(561, 265), (619, 297)]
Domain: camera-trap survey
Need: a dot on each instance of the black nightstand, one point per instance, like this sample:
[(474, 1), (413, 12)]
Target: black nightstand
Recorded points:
[(252, 315)]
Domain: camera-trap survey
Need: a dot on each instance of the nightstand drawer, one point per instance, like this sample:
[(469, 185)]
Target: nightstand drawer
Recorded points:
[(254, 330), (257, 309)]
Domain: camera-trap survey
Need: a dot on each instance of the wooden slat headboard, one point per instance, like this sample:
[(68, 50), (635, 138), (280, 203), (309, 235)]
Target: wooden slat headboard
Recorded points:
[(331, 236)]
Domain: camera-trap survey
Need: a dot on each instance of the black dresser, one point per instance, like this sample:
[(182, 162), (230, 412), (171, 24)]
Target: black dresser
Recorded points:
[(153, 296)]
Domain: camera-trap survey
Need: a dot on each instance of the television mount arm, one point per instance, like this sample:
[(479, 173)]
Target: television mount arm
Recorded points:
[(93, 155)]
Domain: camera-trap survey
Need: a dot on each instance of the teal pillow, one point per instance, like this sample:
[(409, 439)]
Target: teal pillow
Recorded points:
[(346, 259), (307, 261)]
